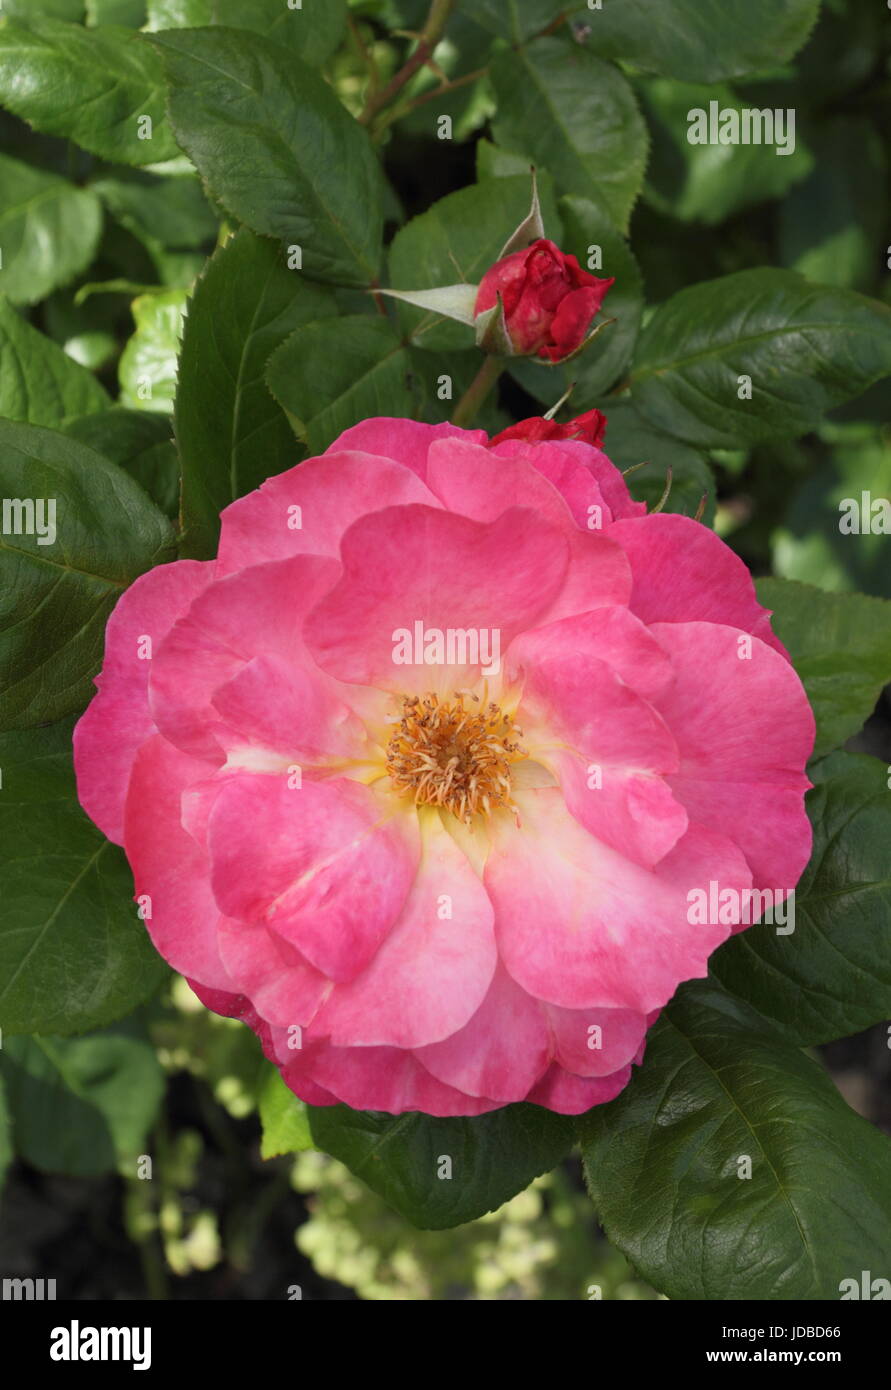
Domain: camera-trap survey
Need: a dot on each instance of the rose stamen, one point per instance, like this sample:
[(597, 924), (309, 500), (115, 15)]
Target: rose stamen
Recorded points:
[(443, 754)]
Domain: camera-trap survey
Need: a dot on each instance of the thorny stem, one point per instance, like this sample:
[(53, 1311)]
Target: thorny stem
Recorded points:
[(466, 410), (429, 37)]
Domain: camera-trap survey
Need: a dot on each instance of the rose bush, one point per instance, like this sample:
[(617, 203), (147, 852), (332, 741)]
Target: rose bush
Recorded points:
[(420, 772)]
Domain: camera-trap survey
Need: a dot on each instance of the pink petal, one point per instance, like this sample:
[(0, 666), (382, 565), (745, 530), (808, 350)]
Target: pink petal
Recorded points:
[(595, 1042), (744, 730), (433, 970), (257, 612), (414, 565), (407, 441), (683, 572), (581, 926), (307, 509), (322, 865), (503, 1049), (381, 1078), (168, 864), (118, 721), (609, 750), (573, 1095)]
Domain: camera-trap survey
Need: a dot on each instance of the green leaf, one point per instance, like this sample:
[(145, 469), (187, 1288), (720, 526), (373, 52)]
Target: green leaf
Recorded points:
[(83, 1106), (313, 31), (458, 239), (840, 645), (56, 597), (232, 434), (92, 86), (587, 226), (172, 211), (284, 1119), (147, 369), (576, 116), (276, 148), (401, 1157), (39, 383), (665, 1162), (514, 19), (129, 13), (178, 14), (49, 231), (708, 183), (809, 544), (832, 975), (805, 348), (73, 953), (330, 375), (6, 1150), (72, 10), (831, 225), (630, 441), (702, 40), (138, 441)]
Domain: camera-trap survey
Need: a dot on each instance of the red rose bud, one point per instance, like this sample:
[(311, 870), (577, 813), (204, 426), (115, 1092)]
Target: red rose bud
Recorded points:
[(589, 428), (547, 299)]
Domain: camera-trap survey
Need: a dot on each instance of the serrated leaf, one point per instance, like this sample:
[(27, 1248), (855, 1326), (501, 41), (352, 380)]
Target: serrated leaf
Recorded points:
[(276, 148), (832, 975), (666, 1164), (83, 1106), (140, 442), (172, 211), (576, 117), (805, 348), (313, 30), (840, 645), (702, 40), (330, 375), (73, 953), (95, 87), (400, 1157), (56, 597), (49, 231), (147, 369), (39, 383), (232, 434), (283, 1118), (514, 19)]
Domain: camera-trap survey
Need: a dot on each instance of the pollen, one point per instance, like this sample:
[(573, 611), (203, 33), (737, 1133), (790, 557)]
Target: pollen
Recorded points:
[(455, 753)]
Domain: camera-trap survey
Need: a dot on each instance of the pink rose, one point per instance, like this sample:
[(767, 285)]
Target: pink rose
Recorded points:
[(549, 301), (427, 887)]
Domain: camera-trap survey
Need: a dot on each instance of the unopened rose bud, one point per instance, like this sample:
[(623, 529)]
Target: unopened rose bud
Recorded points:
[(547, 303), (589, 428)]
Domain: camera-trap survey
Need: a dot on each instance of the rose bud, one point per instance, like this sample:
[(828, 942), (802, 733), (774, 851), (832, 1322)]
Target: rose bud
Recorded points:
[(548, 301), (590, 428)]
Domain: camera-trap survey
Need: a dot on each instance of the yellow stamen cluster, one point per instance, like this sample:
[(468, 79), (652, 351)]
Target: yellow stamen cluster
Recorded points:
[(444, 754)]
